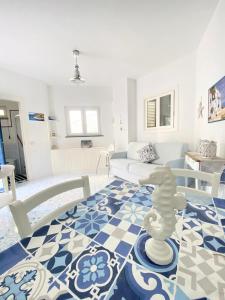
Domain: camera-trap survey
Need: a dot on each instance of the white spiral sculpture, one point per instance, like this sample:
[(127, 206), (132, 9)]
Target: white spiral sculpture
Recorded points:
[(160, 221)]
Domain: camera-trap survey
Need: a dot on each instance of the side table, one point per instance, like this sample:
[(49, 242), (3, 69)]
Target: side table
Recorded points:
[(196, 161)]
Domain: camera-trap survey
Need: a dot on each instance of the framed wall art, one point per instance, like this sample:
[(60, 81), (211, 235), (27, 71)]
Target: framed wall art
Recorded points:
[(216, 102)]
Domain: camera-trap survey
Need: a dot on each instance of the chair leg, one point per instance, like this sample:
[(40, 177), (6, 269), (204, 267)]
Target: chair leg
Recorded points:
[(108, 169), (108, 164), (99, 158), (86, 186)]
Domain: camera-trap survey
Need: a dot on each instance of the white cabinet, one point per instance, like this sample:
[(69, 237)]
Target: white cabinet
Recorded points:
[(76, 160)]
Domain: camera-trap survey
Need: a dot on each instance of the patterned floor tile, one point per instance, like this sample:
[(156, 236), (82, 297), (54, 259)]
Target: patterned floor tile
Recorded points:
[(109, 205), (219, 203), (201, 213), (180, 295), (132, 213), (136, 282), (213, 237), (92, 273), (121, 193), (130, 185), (29, 280), (117, 182), (221, 216), (201, 273), (119, 236), (139, 256), (105, 191), (146, 189), (91, 223), (141, 198), (122, 184), (220, 212), (192, 232), (212, 230), (93, 200), (71, 215), (65, 236), (16, 254), (215, 244), (41, 236), (207, 235), (57, 254)]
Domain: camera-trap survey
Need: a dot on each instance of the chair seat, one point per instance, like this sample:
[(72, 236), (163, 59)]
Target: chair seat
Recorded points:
[(5, 199)]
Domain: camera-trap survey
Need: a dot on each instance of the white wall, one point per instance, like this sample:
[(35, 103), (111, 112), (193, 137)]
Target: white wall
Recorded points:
[(211, 68), (120, 115), (124, 112), (178, 76), (61, 96), (32, 96), (132, 109)]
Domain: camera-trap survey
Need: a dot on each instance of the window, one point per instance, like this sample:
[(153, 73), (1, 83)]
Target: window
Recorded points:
[(159, 111), (82, 121)]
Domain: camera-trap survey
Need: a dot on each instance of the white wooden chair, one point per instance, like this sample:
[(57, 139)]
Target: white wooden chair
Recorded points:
[(212, 178), (107, 155), (8, 195), (20, 209)]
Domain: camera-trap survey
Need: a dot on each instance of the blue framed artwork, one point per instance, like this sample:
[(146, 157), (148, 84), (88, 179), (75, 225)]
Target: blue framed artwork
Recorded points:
[(36, 116), (216, 102)]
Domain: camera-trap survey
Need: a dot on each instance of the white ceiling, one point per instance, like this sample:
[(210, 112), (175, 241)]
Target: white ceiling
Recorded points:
[(116, 37)]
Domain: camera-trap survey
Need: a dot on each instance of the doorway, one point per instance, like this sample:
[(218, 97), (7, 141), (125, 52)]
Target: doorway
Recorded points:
[(11, 149)]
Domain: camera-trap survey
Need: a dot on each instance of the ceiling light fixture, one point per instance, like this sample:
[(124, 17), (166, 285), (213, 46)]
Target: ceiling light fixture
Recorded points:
[(76, 78)]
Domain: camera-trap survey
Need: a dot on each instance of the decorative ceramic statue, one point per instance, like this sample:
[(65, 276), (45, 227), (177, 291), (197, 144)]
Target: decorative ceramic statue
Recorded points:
[(160, 221)]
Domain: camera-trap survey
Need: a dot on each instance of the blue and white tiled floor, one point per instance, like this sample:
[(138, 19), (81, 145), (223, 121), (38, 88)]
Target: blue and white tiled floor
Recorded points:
[(96, 251)]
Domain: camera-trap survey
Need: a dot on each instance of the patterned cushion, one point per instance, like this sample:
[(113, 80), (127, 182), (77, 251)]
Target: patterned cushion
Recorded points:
[(133, 148), (147, 154)]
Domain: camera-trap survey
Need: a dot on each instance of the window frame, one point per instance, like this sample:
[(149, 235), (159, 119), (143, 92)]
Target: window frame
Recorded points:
[(83, 110), (172, 111)]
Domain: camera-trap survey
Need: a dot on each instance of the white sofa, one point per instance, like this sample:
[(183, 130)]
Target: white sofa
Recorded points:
[(127, 165)]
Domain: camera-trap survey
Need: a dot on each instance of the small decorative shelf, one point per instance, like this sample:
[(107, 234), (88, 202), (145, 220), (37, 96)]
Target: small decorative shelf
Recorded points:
[(51, 118)]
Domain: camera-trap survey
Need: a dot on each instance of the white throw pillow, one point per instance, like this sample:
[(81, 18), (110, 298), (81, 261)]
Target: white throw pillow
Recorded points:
[(147, 154), (133, 148)]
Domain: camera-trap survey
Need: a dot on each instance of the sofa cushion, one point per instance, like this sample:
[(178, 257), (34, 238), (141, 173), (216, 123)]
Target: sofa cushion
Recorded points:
[(141, 170), (133, 148), (122, 163), (147, 154), (169, 151)]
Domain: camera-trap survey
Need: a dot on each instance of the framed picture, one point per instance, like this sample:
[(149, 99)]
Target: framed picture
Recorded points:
[(216, 102), (36, 116)]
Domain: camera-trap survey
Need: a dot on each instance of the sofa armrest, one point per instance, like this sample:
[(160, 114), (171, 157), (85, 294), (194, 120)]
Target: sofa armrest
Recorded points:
[(116, 155), (176, 163)]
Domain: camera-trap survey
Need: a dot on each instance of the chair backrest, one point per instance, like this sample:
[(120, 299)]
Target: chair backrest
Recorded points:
[(212, 178), (7, 172), (111, 148), (20, 209)]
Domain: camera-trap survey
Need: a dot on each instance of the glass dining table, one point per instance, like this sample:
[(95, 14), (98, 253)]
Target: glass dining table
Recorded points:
[(96, 251)]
